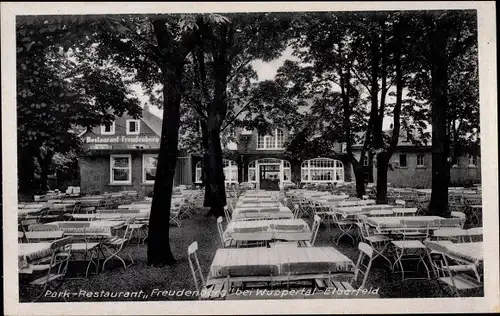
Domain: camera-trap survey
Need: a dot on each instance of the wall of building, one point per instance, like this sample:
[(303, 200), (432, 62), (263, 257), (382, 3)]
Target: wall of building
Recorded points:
[(421, 176), (465, 174), (95, 174), (412, 175)]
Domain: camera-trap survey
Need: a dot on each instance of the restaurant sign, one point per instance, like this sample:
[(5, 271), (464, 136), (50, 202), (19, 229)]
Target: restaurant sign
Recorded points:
[(122, 140)]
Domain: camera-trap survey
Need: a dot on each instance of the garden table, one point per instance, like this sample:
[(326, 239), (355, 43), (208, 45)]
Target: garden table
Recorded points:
[(281, 229), (391, 223), (44, 235), (275, 264), (94, 228), (259, 205), (261, 212), (105, 216), (471, 252)]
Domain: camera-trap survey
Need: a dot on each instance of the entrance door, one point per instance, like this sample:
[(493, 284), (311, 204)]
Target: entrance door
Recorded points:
[(269, 177)]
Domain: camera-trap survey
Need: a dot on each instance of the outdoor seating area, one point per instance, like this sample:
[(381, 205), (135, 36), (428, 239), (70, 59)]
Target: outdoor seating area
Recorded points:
[(98, 230), (289, 241), (268, 244)]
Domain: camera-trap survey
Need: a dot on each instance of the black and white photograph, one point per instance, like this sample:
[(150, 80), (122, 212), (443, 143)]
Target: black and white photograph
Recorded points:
[(192, 157)]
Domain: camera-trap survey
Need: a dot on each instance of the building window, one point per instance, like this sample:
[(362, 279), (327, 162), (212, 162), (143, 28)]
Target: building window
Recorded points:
[(274, 141), (149, 163), (322, 170), (133, 127), (198, 177), (420, 160), (472, 161), (108, 129), (402, 161), (230, 171), (121, 169)]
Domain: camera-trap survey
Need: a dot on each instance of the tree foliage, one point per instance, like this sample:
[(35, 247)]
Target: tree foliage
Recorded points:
[(57, 90)]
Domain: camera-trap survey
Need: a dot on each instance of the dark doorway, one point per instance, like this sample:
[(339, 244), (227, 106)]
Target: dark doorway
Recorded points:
[(269, 177)]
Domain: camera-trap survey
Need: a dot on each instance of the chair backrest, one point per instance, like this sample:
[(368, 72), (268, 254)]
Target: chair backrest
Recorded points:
[(377, 213), (315, 228), (410, 225), (74, 224), (44, 235), (61, 253), (194, 264), (42, 228), (251, 229), (451, 222), (400, 202), (365, 251), (362, 229), (227, 214), (296, 211), (475, 234), (61, 243), (28, 222), (449, 233), (220, 229)]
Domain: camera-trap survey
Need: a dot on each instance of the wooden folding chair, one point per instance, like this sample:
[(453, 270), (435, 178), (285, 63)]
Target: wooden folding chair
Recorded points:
[(381, 213), (378, 243), (410, 248), (347, 227), (227, 214), (449, 270), (409, 211), (55, 270), (365, 252), (474, 234)]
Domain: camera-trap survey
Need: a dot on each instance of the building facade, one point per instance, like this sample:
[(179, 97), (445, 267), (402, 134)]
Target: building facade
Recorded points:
[(259, 159), (411, 166), (123, 156)]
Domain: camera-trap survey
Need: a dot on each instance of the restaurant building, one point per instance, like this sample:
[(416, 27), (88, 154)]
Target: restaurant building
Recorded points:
[(411, 166), (258, 159), (123, 156)]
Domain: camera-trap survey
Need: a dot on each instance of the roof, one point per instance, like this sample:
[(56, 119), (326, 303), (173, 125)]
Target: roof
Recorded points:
[(154, 122), (414, 139)]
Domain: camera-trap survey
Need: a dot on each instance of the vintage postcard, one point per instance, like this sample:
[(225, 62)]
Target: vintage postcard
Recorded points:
[(198, 158)]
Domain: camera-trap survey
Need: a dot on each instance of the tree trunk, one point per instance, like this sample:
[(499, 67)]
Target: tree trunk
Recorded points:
[(215, 170), (440, 143), (206, 163), (382, 168), (26, 171), (159, 252), (359, 175), (44, 161), (206, 178)]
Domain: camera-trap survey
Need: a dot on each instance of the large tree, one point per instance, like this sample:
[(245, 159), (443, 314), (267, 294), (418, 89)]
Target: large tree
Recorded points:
[(57, 91), (156, 50), (222, 74), (330, 50), (444, 37)]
